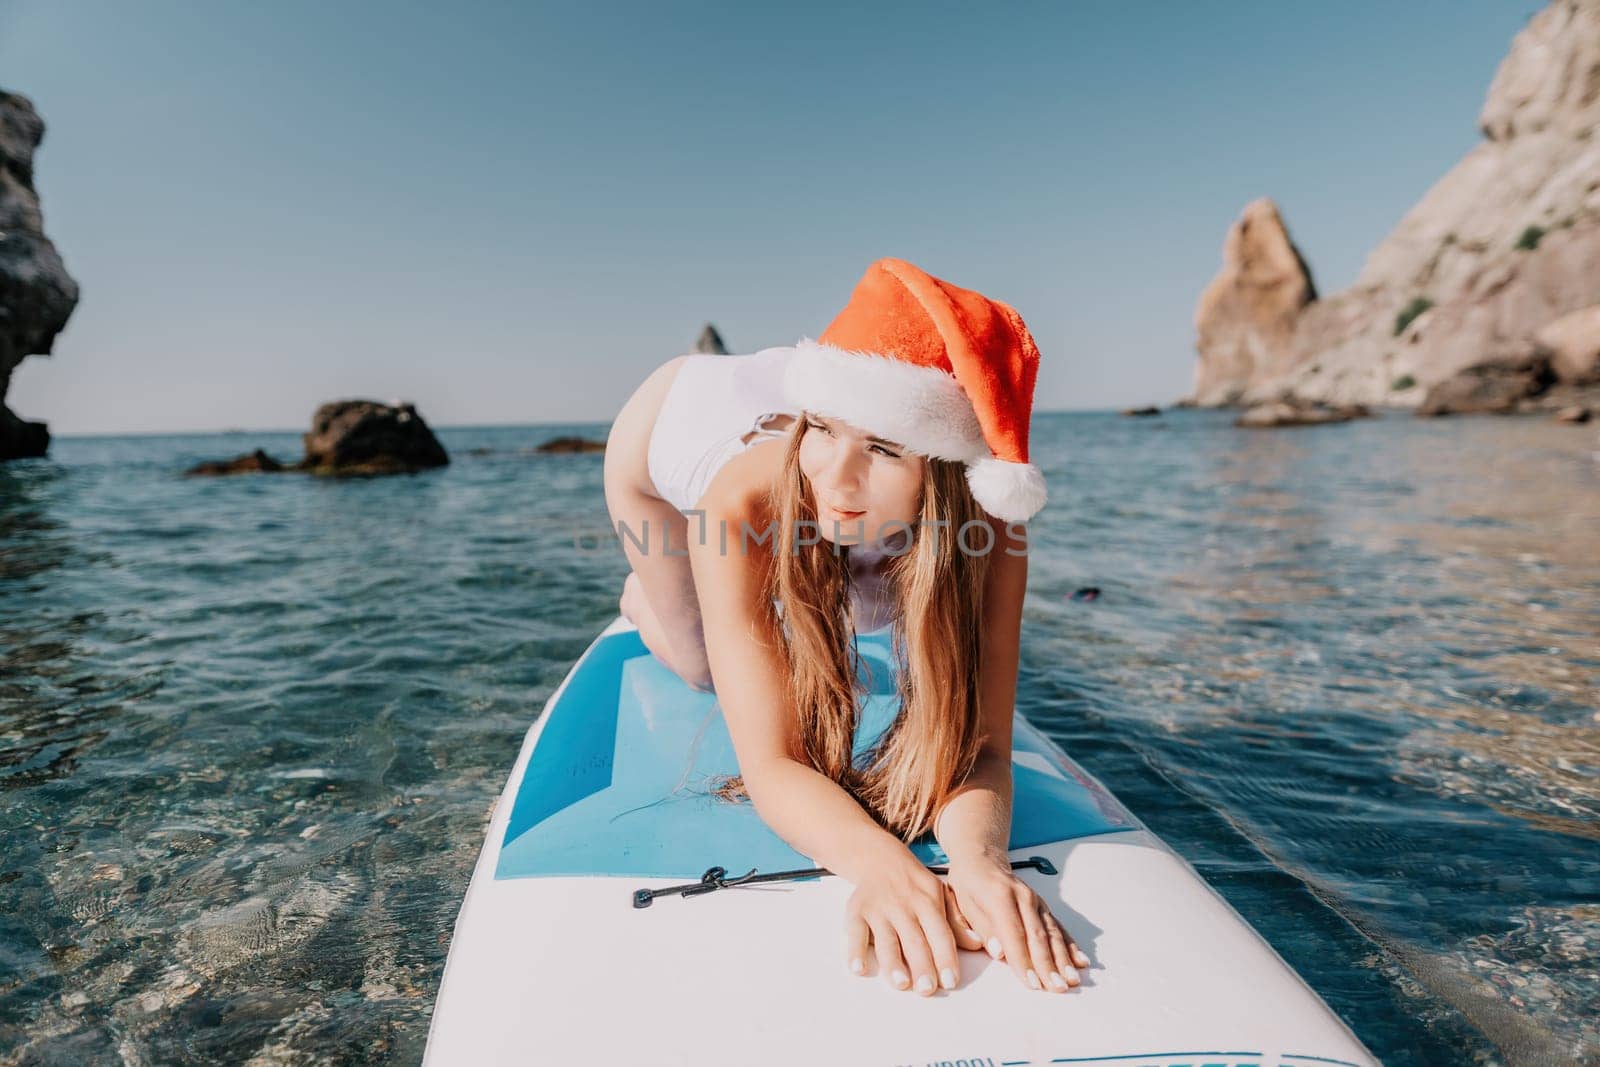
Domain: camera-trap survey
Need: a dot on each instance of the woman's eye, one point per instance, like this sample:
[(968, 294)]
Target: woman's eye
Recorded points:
[(878, 448)]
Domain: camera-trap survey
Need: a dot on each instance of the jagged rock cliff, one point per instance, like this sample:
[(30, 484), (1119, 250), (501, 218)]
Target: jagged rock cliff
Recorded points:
[(710, 342), (1503, 245), (36, 293), (1245, 322)]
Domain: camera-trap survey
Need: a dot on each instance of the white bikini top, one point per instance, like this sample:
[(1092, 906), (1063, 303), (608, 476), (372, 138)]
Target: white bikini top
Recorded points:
[(713, 404)]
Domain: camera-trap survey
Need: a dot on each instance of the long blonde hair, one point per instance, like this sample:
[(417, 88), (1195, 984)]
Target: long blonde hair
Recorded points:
[(936, 635)]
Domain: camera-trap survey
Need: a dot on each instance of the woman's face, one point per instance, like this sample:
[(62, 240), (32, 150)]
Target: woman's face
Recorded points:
[(866, 490)]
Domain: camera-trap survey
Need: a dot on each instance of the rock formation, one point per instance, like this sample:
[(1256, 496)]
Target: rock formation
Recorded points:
[(1492, 386), (710, 342), (1298, 413), (36, 293), (1245, 321), (257, 462), (1572, 345), (571, 444), (1276, 413), (1500, 248), (366, 437), (350, 437)]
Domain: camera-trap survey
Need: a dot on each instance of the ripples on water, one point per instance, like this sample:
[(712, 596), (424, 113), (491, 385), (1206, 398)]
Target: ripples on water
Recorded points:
[(250, 728)]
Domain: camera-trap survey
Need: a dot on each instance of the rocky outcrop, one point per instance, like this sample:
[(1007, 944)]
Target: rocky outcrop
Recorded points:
[(36, 293), (1572, 345), (1501, 247), (366, 437), (1493, 386), (710, 342), (1246, 317)]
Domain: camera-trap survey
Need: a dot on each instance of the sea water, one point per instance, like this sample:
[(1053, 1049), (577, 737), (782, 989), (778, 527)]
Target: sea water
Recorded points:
[(251, 727)]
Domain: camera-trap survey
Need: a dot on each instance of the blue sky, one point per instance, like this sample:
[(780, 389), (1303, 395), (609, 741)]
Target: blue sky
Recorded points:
[(511, 212)]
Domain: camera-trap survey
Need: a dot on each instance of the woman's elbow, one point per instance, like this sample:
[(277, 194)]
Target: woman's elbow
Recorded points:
[(758, 775)]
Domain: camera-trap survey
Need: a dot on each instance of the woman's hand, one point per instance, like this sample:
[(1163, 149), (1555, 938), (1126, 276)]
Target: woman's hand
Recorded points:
[(1014, 923), (908, 915)]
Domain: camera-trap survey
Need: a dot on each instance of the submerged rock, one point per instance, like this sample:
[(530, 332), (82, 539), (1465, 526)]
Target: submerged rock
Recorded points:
[(363, 437), (250, 463), (571, 444), (1298, 413), (36, 293), (1141, 412)]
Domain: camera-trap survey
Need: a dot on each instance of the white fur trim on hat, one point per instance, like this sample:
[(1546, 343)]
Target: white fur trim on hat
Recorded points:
[(1011, 492), (923, 408)]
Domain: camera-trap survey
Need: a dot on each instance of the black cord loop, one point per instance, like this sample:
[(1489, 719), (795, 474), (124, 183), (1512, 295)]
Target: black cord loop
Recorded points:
[(716, 878)]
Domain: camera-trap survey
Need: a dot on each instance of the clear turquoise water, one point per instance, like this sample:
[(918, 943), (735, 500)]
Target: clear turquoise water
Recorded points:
[(250, 728)]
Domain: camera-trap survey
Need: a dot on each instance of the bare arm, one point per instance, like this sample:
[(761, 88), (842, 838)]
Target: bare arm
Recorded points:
[(898, 905), (974, 825), (975, 822), (810, 811)]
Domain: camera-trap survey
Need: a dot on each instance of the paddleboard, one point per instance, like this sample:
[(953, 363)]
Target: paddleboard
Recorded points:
[(564, 954)]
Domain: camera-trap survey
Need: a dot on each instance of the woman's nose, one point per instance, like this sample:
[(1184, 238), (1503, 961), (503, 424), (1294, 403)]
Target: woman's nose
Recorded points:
[(845, 469)]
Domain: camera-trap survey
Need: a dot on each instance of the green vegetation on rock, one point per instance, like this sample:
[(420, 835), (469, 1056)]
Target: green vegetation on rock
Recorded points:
[(1417, 306)]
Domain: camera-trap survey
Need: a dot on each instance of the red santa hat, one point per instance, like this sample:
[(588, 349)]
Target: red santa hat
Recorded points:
[(945, 371)]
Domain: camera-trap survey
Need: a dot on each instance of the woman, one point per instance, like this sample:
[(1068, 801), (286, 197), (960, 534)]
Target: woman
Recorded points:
[(769, 505)]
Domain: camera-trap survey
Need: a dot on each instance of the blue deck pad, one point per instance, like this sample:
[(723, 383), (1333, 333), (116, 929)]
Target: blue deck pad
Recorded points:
[(617, 781)]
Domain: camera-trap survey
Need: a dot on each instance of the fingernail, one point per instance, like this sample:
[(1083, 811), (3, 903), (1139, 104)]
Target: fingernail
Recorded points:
[(1072, 978), (1057, 981), (1081, 960), (855, 966), (924, 984), (994, 947), (948, 978), (1033, 980), (900, 980)]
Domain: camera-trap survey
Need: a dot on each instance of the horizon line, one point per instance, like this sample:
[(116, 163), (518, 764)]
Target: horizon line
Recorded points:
[(232, 430)]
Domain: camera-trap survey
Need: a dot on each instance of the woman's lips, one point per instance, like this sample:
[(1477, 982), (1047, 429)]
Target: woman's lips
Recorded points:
[(843, 514)]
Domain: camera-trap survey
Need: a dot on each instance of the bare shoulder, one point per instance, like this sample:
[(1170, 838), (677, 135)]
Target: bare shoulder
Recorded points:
[(735, 529), (744, 641), (743, 482)]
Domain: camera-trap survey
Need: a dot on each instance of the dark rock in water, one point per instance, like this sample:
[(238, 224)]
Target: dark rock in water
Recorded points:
[(249, 463), (1298, 413), (571, 444), (1141, 412), (480, 451), (1489, 387), (20, 439), (1087, 593), (360, 437), (710, 342), (36, 293), (1576, 414)]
